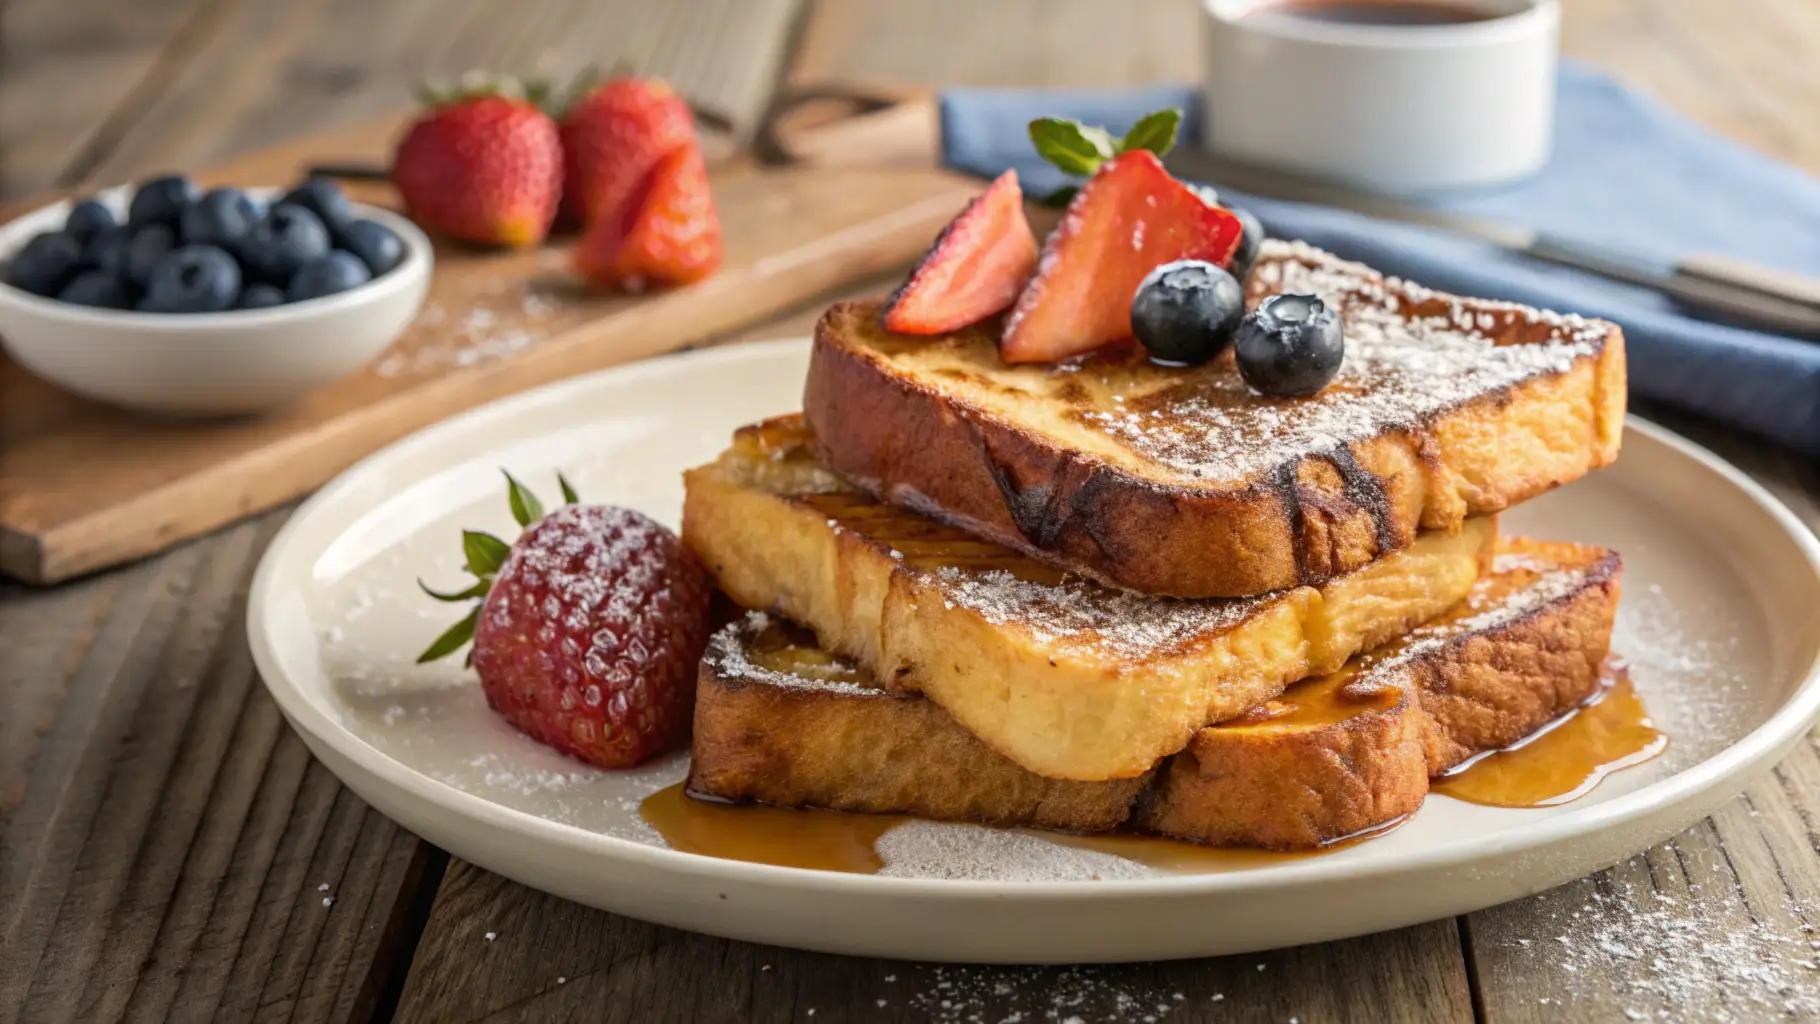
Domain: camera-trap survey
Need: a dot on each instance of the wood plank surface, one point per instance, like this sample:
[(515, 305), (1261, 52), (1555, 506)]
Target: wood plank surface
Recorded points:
[(164, 836), (496, 951)]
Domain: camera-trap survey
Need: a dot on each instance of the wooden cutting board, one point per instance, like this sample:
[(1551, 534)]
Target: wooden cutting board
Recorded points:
[(83, 486)]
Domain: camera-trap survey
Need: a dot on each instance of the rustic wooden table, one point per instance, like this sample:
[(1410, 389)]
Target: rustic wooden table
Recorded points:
[(169, 849)]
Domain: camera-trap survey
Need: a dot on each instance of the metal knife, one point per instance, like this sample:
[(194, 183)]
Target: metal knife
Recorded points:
[(1716, 287)]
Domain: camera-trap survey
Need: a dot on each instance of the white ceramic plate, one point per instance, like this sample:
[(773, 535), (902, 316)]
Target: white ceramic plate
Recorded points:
[(1721, 584)]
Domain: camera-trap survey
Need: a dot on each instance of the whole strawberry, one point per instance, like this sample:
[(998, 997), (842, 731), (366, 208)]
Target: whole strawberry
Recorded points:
[(591, 630), (613, 133), (672, 236), (483, 165)]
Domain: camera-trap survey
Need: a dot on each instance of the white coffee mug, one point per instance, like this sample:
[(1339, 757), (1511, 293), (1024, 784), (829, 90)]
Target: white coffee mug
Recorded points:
[(1396, 108)]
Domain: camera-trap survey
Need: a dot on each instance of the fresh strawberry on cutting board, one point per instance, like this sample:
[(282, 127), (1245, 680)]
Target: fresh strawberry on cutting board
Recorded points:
[(589, 630), (669, 233), (483, 164), (976, 268), (613, 134), (1128, 219)]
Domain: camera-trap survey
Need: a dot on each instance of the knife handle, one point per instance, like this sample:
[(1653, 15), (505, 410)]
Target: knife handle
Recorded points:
[(1780, 284)]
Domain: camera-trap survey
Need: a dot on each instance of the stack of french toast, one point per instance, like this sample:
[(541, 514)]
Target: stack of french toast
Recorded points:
[(1111, 592)]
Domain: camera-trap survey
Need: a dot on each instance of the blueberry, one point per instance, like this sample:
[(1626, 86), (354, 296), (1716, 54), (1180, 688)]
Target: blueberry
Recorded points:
[(325, 199), (378, 246), (220, 218), (87, 220), (1247, 252), (1289, 345), (327, 275), (97, 288), (161, 201), (149, 245), (1184, 311), (194, 279), (286, 239), (260, 295), (106, 252), (45, 264)]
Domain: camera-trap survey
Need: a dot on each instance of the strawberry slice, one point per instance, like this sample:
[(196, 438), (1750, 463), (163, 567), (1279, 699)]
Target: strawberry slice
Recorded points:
[(1130, 218), (977, 266), (670, 235)]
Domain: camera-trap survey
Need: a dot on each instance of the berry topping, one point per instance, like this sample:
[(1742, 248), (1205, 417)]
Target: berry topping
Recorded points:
[(1185, 311), (161, 201), (87, 220), (977, 266), (670, 236), (1249, 241), (1127, 220), (193, 279), (327, 275), (377, 245), (222, 217), (590, 631), (1289, 345), (45, 264), (283, 242)]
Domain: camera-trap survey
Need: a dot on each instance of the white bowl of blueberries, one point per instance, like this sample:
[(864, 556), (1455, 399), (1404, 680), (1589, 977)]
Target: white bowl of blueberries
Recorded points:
[(164, 298)]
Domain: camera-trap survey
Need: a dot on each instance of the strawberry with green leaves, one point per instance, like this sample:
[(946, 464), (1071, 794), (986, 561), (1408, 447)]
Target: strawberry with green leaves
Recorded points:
[(483, 164), (589, 628), (1127, 219)]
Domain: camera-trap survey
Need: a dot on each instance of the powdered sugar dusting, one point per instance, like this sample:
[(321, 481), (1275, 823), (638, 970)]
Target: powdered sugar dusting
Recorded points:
[(1554, 585), (1076, 612), (927, 849), (484, 334), (1662, 954), (955, 994), (1411, 354), (727, 656)]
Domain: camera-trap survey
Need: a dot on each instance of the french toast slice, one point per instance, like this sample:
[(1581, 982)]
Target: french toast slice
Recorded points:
[(780, 721), (1350, 751), (1183, 481), (1067, 678)]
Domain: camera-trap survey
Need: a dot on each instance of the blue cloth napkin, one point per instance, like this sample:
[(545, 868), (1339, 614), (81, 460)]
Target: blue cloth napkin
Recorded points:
[(1626, 172)]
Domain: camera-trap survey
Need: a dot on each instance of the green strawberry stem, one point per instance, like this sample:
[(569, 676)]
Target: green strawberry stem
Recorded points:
[(1079, 150), (485, 554)]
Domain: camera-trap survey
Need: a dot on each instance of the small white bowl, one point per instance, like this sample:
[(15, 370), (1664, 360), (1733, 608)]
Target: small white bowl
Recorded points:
[(208, 364), (1395, 108)]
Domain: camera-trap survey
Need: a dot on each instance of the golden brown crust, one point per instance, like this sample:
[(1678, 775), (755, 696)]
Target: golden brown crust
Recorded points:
[(913, 439), (1499, 671), (1480, 690), (849, 748), (1067, 679)]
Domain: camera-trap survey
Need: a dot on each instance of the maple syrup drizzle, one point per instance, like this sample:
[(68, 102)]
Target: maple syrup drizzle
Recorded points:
[(1565, 760), (924, 543), (840, 841), (786, 837)]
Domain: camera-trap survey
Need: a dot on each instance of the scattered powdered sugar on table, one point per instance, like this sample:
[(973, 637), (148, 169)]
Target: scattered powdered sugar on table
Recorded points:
[(928, 849), (1664, 953), (1038, 995), (478, 337)]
